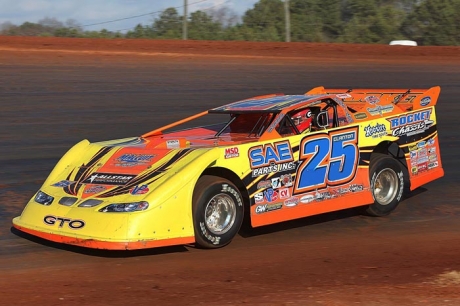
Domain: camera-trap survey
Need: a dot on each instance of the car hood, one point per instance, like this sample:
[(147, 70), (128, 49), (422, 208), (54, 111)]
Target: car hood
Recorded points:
[(133, 166)]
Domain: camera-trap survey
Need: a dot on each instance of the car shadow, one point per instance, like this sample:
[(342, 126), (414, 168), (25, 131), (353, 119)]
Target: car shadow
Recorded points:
[(248, 231)]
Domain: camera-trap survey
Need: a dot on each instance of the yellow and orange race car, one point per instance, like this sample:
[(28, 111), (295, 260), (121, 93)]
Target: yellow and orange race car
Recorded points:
[(274, 157)]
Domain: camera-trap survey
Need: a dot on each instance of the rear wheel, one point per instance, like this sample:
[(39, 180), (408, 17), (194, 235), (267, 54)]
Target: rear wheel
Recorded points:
[(387, 184), (217, 211)]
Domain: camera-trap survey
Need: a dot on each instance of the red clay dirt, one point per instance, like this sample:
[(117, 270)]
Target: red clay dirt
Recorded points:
[(418, 267), (317, 51)]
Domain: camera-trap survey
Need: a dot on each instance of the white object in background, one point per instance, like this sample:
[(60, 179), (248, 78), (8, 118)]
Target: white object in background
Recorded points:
[(403, 43)]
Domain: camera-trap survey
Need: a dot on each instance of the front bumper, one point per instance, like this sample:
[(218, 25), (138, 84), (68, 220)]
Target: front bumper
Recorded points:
[(101, 244), (164, 225)]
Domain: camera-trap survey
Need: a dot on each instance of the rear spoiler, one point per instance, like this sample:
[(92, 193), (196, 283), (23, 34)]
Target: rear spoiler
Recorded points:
[(417, 98)]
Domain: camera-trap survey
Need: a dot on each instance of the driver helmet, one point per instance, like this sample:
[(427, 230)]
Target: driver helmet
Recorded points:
[(302, 119)]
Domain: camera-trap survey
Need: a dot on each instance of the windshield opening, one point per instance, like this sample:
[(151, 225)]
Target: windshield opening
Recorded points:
[(252, 124)]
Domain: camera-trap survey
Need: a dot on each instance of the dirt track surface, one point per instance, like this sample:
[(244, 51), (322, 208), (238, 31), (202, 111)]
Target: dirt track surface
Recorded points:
[(55, 92)]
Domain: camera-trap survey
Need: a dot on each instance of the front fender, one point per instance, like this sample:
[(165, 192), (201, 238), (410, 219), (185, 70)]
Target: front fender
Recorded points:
[(72, 155)]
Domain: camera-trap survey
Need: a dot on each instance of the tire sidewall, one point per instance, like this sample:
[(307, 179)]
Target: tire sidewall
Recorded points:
[(386, 163), (203, 235)]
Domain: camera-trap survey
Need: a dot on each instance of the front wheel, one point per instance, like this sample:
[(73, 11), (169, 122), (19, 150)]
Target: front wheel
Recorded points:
[(387, 185), (217, 211)]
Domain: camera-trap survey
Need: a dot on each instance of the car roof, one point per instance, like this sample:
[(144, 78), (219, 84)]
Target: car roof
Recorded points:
[(272, 104)]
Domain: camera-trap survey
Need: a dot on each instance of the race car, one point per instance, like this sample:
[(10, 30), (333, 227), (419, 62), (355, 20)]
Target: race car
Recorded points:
[(266, 159)]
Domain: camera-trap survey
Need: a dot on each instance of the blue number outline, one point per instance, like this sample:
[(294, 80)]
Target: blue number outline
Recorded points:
[(335, 167)]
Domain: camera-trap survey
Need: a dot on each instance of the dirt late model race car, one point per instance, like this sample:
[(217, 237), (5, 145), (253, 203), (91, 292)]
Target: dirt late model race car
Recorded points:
[(274, 158)]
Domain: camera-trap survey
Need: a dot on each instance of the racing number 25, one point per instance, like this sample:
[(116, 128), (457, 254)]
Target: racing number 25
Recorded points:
[(327, 159)]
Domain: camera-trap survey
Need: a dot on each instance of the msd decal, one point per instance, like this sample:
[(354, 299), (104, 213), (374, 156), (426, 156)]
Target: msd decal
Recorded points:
[(232, 152), (411, 124), (270, 158)]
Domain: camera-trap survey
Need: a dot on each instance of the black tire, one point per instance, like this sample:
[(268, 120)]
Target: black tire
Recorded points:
[(216, 231), (387, 184)]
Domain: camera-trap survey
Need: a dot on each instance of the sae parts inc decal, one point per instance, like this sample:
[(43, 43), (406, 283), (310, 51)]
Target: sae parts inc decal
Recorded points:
[(271, 158)]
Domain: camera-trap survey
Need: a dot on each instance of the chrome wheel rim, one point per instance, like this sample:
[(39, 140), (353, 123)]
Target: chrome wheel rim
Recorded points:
[(220, 214), (385, 186)]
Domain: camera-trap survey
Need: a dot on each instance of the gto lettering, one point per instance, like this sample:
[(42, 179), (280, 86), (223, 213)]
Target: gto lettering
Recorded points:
[(61, 222)]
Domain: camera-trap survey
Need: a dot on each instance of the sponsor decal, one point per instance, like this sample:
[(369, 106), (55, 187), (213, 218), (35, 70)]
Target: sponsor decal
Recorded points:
[(413, 154), (61, 222), (360, 116), (270, 195), (408, 98), (414, 170), (284, 193), (376, 131), (95, 189), (433, 157), (273, 168), (413, 148), (268, 207), (232, 152), (433, 165), (259, 197), (173, 144), (343, 96), (325, 195), (276, 182), (432, 150), (380, 110), (286, 180), (307, 198), (267, 154), (264, 184), (142, 189), (422, 167), (430, 142), (108, 179), (344, 190), (131, 160), (421, 144), (422, 160), (411, 124), (356, 188), (291, 202), (425, 101), (63, 183), (422, 153), (372, 99)]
